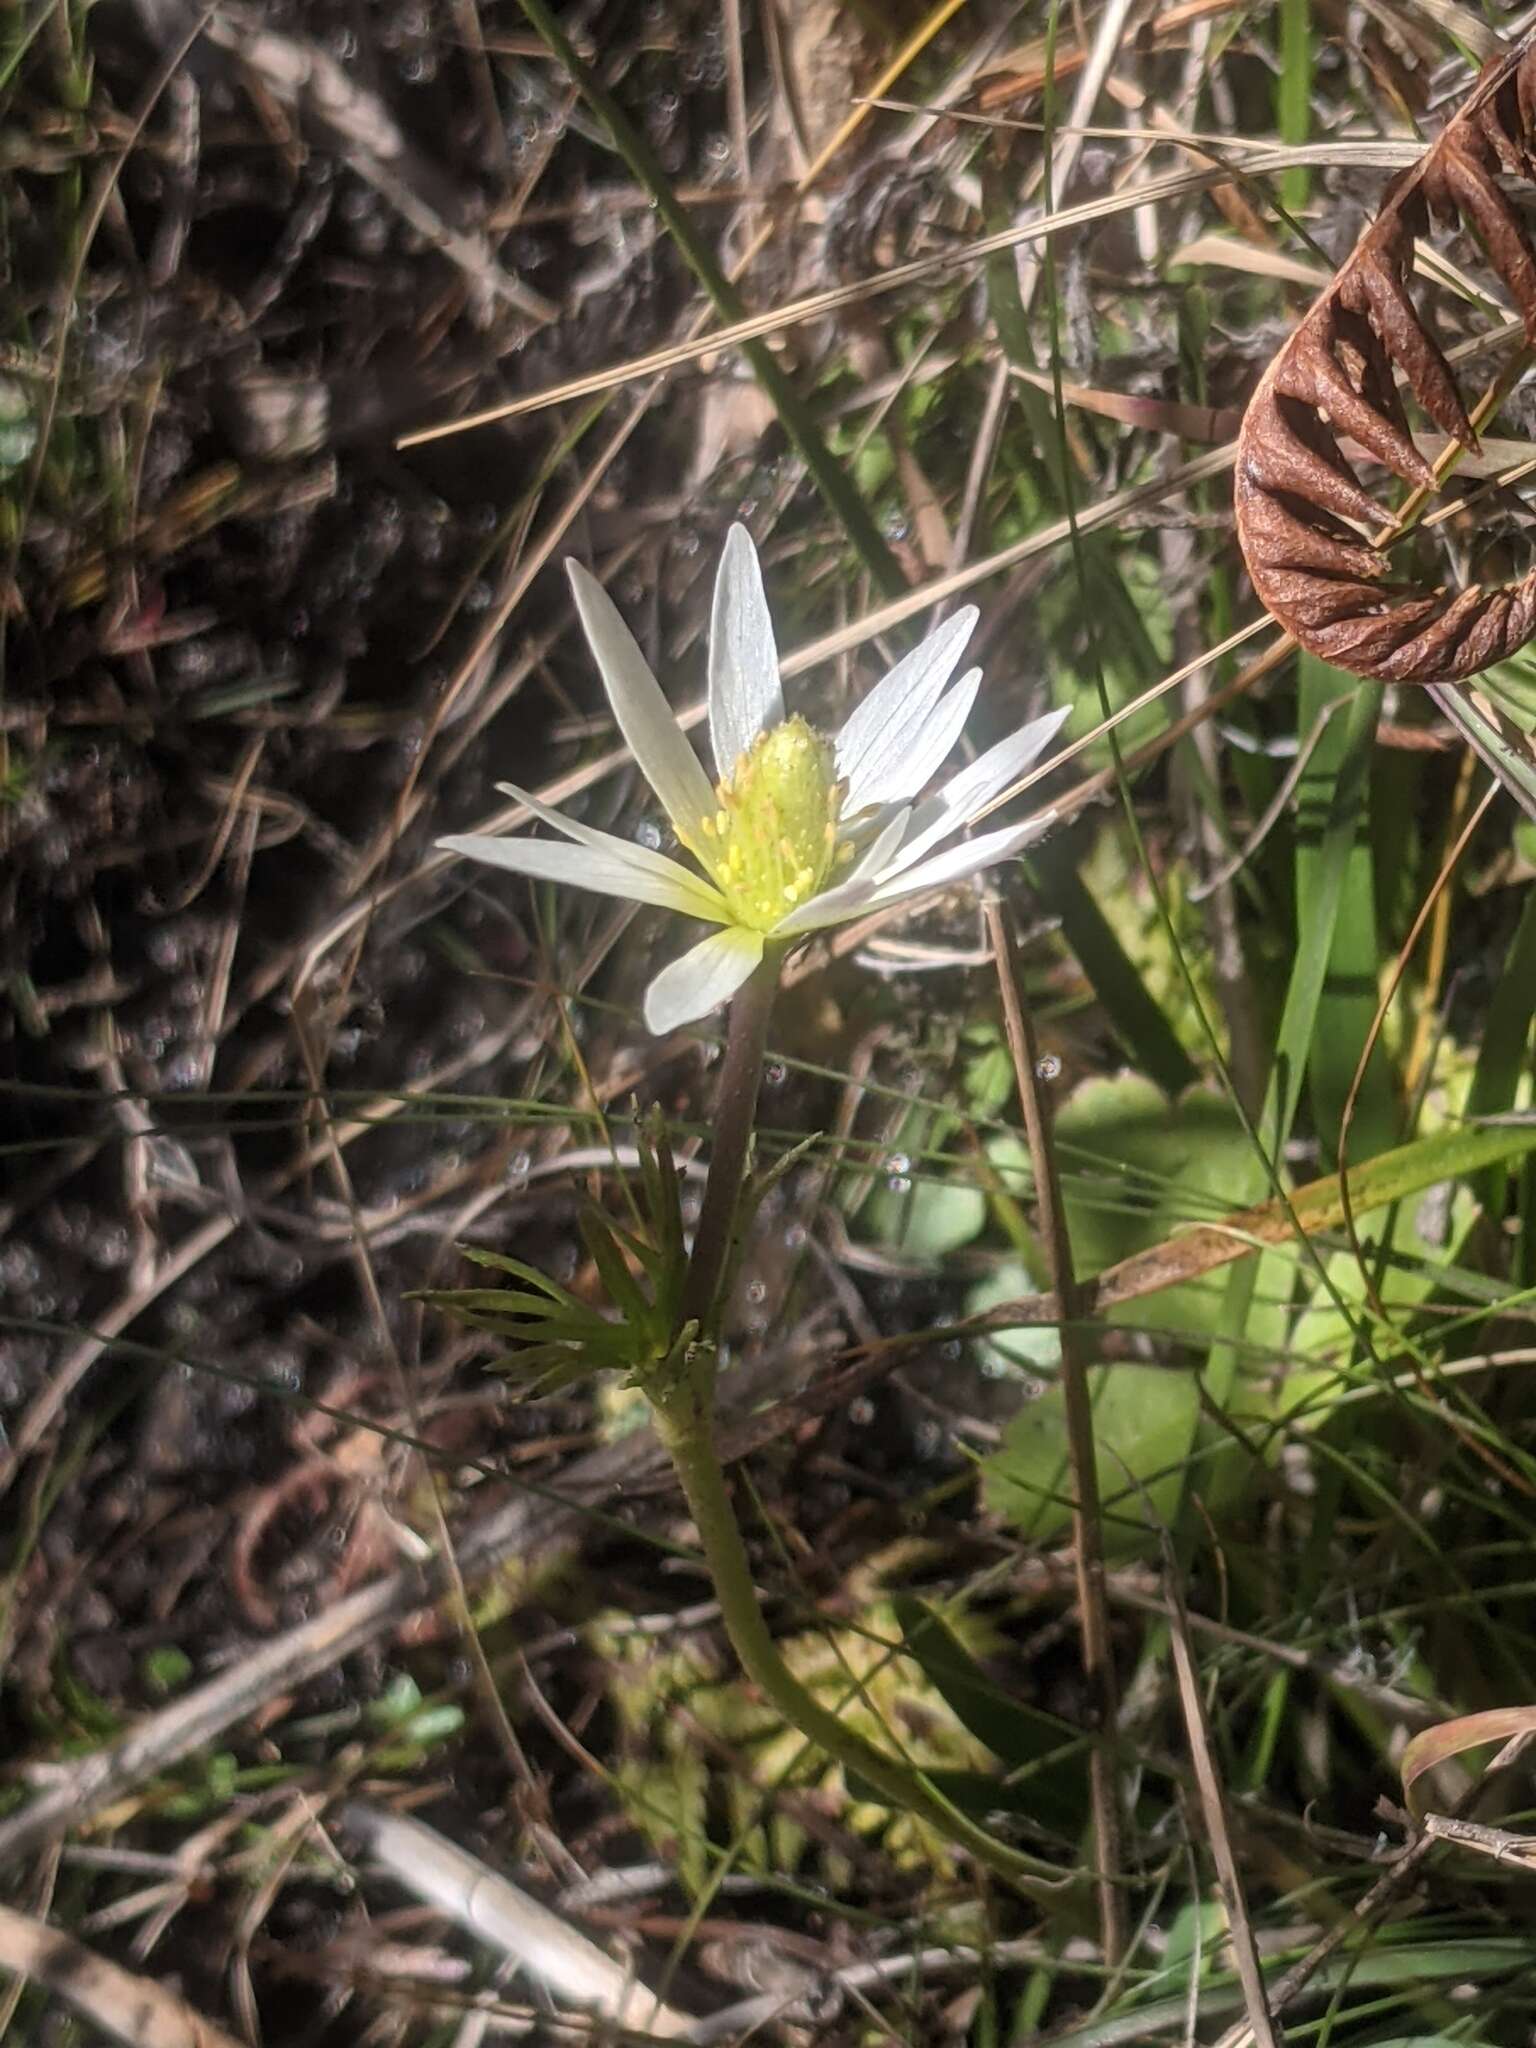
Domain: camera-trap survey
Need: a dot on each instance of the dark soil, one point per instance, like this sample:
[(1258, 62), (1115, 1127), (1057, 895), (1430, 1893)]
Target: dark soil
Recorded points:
[(257, 659)]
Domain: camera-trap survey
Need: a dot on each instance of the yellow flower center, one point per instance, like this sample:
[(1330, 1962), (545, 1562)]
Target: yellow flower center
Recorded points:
[(773, 841)]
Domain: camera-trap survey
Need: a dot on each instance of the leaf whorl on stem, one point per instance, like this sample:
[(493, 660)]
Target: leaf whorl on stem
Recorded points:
[(1295, 489)]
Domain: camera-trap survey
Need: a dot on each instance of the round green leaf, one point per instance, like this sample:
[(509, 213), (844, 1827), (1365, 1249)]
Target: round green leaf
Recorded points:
[(1143, 1424)]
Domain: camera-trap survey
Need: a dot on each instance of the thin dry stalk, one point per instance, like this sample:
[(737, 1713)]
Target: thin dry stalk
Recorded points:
[(1365, 1913), (979, 468), (1288, 1988), (736, 89), (1087, 1514), (405, 1387), (1213, 1812), (1278, 807), (1499, 1843), (559, 791), (359, 917), (1068, 145), (922, 269), (849, 938)]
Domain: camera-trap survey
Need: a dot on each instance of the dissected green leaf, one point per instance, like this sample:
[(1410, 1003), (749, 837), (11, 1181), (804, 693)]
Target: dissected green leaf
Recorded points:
[(622, 1289), (481, 1255), (562, 1339)]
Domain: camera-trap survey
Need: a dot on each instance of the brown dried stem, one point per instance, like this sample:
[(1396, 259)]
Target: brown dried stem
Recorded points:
[(1087, 1519)]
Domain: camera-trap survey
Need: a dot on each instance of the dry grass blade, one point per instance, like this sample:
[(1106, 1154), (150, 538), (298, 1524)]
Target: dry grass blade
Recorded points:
[(1060, 167), (1150, 415), (1366, 1912), (134, 2010), (189, 1253), (1213, 1812), (1315, 1209), (1278, 807), (1297, 495), (1226, 252), (857, 633), (755, 1411), (260, 664), (849, 938), (1434, 1746), (1261, 164), (1022, 72)]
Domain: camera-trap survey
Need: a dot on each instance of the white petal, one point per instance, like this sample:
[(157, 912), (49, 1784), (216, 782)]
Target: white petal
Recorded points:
[(608, 868), (871, 745), (953, 865), (706, 976), (852, 898), (644, 716), (969, 792), (881, 850), (745, 697), (848, 897), (931, 746), (642, 856), (833, 906)]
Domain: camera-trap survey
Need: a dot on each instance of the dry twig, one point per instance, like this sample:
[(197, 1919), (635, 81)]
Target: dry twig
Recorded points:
[(1087, 1514), (494, 1910), (134, 2010)]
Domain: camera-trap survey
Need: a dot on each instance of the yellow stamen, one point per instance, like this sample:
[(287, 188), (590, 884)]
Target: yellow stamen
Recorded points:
[(773, 840)]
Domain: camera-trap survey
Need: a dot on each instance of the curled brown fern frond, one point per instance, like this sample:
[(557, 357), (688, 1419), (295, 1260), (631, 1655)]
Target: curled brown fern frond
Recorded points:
[(1336, 379)]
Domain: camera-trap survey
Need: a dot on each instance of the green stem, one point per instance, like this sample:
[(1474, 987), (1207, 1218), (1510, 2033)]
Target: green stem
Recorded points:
[(735, 1112), (683, 1425), (683, 1411)]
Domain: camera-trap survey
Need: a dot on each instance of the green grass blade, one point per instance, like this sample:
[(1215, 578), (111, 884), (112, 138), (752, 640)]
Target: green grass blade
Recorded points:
[(1346, 1000), (1293, 94), (1506, 752), (1502, 1058), (1340, 800), (1137, 1020)]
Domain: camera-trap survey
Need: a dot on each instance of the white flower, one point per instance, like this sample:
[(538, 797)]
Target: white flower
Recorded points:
[(800, 831)]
